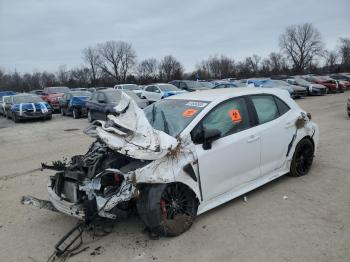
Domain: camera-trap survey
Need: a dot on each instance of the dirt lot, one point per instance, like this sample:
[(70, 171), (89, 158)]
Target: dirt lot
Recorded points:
[(312, 224)]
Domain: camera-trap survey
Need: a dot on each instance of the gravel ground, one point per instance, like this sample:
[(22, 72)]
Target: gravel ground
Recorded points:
[(311, 224)]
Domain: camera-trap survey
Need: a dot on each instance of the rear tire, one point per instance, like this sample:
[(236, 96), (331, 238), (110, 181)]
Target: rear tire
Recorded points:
[(167, 209), (302, 158)]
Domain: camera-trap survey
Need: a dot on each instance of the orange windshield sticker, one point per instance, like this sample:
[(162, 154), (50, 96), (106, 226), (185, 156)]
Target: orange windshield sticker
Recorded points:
[(189, 112), (235, 115)]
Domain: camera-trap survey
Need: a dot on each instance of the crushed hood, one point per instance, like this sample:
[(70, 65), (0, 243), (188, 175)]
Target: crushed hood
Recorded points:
[(130, 133)]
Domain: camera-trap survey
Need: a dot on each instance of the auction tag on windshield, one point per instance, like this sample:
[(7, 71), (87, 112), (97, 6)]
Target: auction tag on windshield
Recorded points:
[(196, 104), (235, 115), (189, 112)]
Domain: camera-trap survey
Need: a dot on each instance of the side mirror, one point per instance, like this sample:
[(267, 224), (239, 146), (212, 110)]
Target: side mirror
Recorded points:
[(210, 135)]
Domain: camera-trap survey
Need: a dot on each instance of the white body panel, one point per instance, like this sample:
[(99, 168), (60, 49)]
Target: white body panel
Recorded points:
[(234, 165)]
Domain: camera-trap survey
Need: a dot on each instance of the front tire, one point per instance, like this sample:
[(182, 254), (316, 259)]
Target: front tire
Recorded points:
[(167, 209), (302, 158), (76, 114), (89, 116), (15, 118)]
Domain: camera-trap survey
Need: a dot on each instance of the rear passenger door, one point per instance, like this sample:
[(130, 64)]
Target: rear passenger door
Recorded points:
[(275, 129)]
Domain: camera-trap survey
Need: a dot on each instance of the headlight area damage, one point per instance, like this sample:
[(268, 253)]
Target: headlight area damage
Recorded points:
[(129, 163)]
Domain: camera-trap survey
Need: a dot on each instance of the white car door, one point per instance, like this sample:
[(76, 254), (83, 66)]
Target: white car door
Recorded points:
[(148, 93), (276, 128), (157, 94), (234, 158)]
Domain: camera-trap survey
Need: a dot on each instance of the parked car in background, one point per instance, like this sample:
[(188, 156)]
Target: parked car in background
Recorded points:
[(27, 106), (312, 88), (343, 84), (102, 103), (189, 85), (6, 93), (131, 87), (341, 76), (78, 89), (331, 84), (294, 91), (38, 92), (223, 84), (53, 94), (157, 92), (208, 85), (74, 103), (3, 100)]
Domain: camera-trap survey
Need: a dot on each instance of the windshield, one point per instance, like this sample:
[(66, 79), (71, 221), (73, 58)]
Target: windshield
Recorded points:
[(173, 115), (168, 87), (301, 81), (57, 90), (26, 99), (81, 93), (131, 87)]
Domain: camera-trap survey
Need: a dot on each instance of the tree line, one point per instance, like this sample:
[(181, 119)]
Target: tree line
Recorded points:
[(302, 50)]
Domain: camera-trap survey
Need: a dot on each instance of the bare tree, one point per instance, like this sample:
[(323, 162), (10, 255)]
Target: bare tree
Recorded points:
[(116, 58), (217, 67), (331, 58), (253, 64), (344, 52), (128, 59), (80, 77), (301, 43), (91, 57), (147, 70), (170, 68), (63, 75)]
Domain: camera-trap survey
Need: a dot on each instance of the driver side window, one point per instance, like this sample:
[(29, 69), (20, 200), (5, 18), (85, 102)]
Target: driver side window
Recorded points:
[(229, 117)]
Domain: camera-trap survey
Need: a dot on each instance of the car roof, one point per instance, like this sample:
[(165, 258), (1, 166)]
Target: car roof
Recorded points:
[(226, 93)]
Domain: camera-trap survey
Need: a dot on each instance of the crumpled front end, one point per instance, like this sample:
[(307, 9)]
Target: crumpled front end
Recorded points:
[(127, 153)]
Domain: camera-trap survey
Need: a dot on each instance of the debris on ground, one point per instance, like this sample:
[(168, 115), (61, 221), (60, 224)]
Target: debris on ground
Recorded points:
[(97, 251), (285, 197)]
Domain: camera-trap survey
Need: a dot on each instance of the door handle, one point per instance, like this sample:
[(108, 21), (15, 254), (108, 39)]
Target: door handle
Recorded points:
[(253, 138)]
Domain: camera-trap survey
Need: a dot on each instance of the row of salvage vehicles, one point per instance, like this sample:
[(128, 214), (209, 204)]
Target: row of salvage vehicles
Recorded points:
[(183, 156)]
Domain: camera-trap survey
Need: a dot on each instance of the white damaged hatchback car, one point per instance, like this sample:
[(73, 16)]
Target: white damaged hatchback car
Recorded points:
[(183, 156)]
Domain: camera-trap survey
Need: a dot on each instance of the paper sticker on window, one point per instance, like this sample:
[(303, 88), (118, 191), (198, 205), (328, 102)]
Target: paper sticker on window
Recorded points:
[(189, 112), (235, 115), (196, 104)]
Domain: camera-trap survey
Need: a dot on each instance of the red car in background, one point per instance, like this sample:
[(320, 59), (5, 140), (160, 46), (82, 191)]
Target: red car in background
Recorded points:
[(343, 84), (332, 85), (53, 94)]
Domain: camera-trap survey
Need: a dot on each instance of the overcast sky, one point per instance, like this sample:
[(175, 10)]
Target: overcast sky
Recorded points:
[(44, 34)]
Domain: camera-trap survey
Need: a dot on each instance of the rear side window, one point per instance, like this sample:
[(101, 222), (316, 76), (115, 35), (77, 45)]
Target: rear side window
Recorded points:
[(265, 107), (282, 106)]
